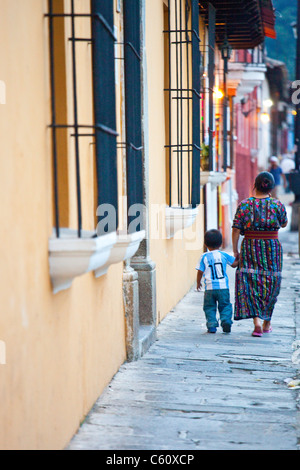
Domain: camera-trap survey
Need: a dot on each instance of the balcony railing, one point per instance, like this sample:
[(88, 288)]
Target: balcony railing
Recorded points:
[(254, 56)]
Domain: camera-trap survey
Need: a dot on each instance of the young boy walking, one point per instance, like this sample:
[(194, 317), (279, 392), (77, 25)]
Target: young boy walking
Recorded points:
[(212, 266)]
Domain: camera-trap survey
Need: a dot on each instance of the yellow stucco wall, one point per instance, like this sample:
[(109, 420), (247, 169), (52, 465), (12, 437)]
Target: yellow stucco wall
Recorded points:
[(61, 350), (175, 258)]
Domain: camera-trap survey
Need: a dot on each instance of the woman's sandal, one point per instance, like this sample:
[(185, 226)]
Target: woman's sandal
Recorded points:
[(267, 331), (257, 331)]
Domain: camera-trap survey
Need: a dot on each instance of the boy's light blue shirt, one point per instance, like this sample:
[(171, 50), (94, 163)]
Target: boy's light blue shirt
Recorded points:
[(213, 264)]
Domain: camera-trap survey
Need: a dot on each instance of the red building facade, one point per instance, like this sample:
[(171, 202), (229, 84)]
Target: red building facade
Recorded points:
[(249, 67), (246, 144)]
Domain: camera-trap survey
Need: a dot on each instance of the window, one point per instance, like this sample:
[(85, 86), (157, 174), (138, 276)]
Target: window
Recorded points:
[(85, 138), (183, 87), (83, 111)]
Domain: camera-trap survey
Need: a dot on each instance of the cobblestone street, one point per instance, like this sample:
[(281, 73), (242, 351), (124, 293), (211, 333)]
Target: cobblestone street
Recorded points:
[(196, 391)]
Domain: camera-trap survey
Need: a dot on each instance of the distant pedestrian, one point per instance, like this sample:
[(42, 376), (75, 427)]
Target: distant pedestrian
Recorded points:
[(212, 266), (287, 166), (258, 276), (277, 173)]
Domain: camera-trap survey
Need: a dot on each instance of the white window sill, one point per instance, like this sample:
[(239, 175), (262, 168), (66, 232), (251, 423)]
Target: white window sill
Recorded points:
[(178, 218), (213, 177), (70, 256), (125, 247)]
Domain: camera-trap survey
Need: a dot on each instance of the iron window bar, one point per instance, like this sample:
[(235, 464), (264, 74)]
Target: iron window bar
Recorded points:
[(89, 40), (53, 114), (133, 49), (95, 15), (99, 127), (82, 135), (66, 15), (81, 15), (179, 90), (106, 25), (184, 145), (191, 93), (56, 126), (75, 112), (183, 31), (129, 144)]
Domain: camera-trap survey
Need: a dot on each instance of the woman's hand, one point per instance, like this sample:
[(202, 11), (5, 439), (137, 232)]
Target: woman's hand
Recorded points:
[(235, 241)]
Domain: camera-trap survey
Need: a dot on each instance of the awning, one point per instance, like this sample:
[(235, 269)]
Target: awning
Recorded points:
[(268, 18), (245, 22)]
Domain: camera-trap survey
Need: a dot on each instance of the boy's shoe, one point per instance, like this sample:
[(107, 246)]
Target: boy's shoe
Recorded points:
[(226, 328), (211, 330)]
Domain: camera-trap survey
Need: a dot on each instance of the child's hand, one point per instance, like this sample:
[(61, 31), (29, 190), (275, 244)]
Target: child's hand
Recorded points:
[(236, 261), (199, 278)]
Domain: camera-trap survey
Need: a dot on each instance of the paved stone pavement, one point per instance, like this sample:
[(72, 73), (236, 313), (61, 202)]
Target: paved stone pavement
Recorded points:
[(197, 391)]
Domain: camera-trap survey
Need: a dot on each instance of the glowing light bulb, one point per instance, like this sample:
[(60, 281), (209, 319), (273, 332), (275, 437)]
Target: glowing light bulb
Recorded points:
[(265, 117), (218, 93), (268, 103)]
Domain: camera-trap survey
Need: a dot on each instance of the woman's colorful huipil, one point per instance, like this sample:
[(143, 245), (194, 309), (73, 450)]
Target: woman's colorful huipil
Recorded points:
[(258, 276)]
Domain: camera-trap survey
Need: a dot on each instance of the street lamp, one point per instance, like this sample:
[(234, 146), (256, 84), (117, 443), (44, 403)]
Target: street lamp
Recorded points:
[(226, 54)]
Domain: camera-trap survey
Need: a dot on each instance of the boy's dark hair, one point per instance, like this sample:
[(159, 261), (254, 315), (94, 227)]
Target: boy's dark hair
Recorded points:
[(264, 182), (213, 238)]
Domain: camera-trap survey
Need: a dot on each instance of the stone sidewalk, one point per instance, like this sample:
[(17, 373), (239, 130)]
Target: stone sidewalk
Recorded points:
[(197, 391)]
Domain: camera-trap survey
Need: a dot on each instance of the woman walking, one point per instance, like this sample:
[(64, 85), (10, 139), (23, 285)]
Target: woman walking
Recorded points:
[(258, 276)]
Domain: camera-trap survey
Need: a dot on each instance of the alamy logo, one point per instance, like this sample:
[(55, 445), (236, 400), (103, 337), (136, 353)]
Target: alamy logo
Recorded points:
[(157, 221), (296, 93), (2, 353)]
